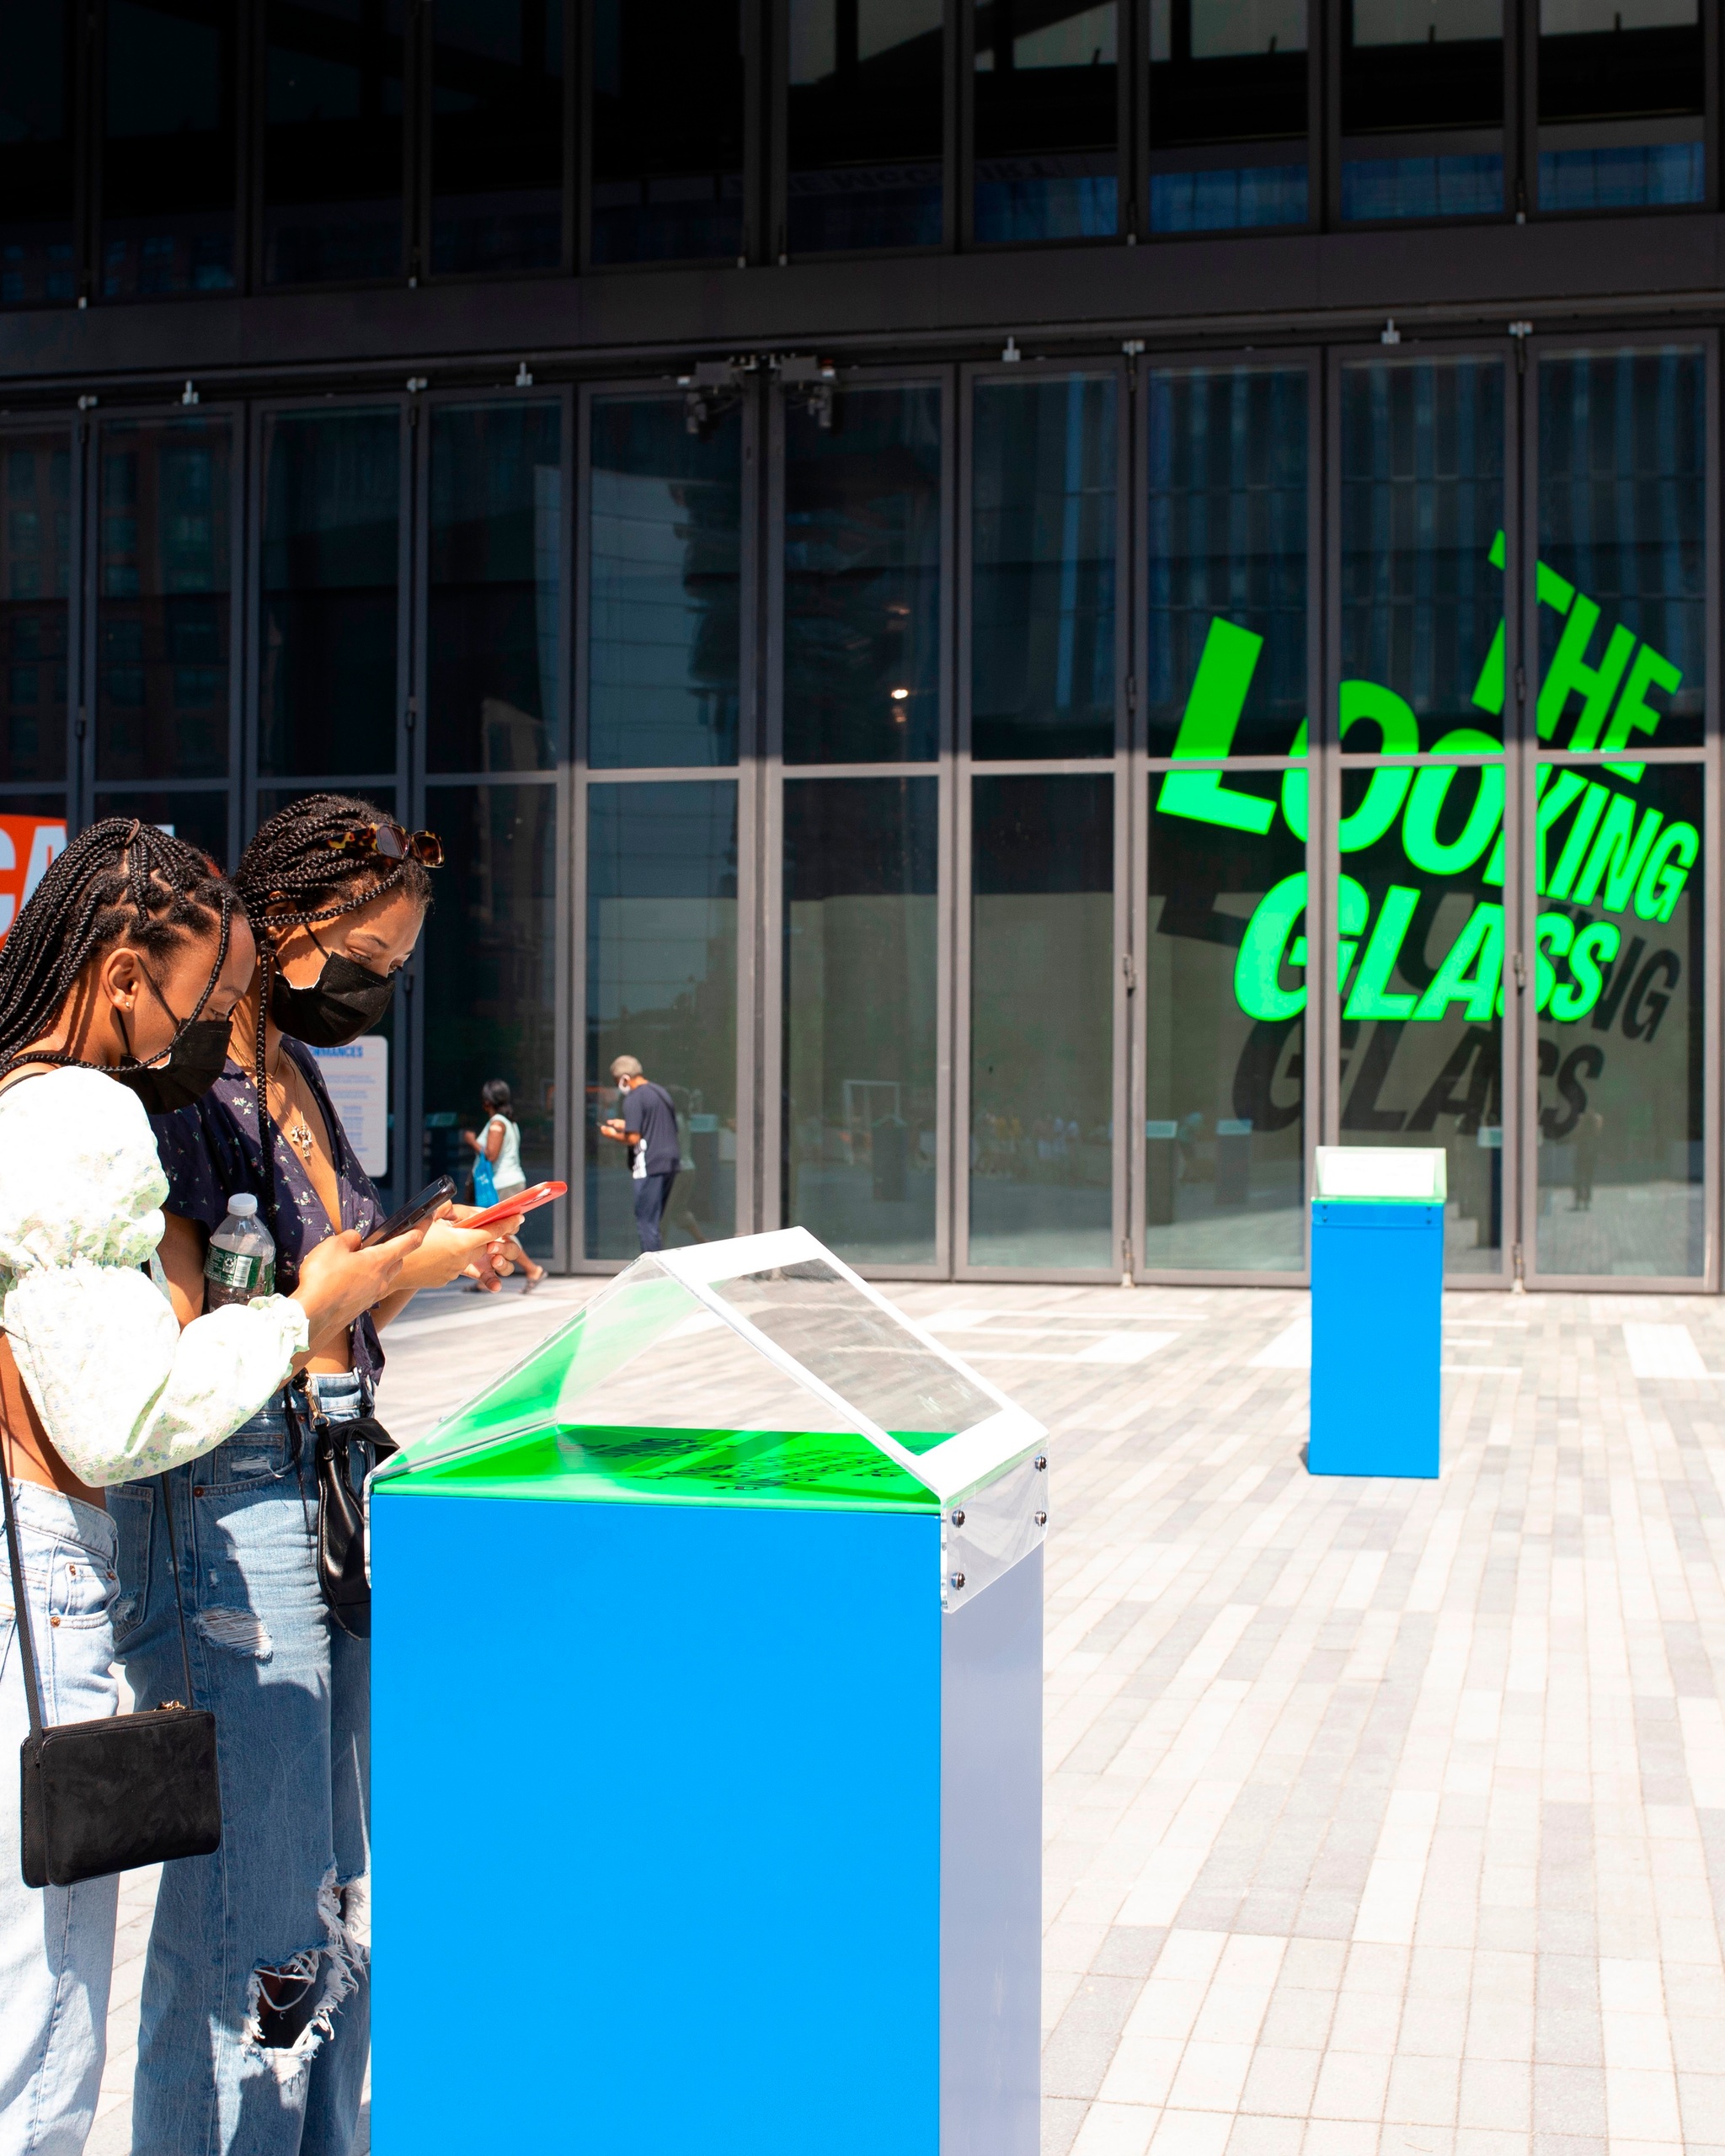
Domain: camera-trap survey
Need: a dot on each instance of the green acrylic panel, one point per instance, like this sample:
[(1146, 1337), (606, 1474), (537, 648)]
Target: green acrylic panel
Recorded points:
[(809, 1470)]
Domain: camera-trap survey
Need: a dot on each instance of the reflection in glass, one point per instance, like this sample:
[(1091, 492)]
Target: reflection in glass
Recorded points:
[(1623, 96), (863, 122), (488, 977), (37, 179), (1422, 108), (1423, 554), (862, 576), (163, 613), (1047, 120), (327, 616), (201, 819), (497, 74), (1041, 576), (332, 141), (662, 987), (667, 130), (1228, 114), (35, 588), (1225, 1003), (664, 565), (1420, 909), (1225, 543), (1620, 971), (169, 169), (860, 867), (494, 588), (1622, 493), (1042, 1022)]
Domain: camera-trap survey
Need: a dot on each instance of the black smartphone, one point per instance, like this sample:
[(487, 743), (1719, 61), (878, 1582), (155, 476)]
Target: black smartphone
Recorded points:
[(430, 1199)]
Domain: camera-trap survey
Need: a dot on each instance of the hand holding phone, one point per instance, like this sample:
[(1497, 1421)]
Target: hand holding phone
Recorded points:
[(511, 1209), (431, 1199)]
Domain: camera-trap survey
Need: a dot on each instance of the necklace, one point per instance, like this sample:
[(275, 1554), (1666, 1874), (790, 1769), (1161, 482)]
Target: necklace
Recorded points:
[(294, 1127)]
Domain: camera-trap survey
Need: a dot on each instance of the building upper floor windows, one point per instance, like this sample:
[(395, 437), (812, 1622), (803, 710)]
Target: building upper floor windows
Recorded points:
[(155, 149)]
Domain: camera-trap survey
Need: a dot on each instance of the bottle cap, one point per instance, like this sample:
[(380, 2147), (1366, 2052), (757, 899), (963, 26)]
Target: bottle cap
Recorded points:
[(243, 1203)]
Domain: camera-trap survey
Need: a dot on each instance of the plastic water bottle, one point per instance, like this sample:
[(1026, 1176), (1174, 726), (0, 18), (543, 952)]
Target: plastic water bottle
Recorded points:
[(242, 1259)]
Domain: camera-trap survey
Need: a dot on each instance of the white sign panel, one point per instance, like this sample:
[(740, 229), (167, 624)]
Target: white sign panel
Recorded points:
[(358, 1079)]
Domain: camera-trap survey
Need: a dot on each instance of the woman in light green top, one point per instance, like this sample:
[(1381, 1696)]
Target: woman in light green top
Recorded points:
[(500, 1143)]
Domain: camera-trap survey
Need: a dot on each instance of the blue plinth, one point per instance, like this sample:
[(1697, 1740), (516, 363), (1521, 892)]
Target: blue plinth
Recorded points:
[(700, 1829), (1377, 1339)]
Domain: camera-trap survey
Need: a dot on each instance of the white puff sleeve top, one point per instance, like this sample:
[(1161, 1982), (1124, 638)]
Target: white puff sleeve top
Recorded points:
[(122, 1391)]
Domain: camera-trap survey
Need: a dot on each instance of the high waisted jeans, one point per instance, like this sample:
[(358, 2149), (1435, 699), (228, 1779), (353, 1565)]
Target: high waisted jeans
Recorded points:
[(56, 1943), (256, 2005)]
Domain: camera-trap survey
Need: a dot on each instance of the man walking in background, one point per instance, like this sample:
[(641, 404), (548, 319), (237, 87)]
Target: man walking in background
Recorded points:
[(648, 1126)]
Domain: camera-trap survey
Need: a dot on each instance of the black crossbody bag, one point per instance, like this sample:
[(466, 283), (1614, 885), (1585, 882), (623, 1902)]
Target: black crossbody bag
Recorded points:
[(342, 1578), (128, 1790)]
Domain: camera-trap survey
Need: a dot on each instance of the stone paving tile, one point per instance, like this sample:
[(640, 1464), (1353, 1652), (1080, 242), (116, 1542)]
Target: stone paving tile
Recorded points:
[(1382, 1818)]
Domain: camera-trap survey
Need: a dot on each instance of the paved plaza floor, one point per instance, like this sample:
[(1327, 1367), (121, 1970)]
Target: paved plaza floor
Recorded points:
[(1383, 1818)]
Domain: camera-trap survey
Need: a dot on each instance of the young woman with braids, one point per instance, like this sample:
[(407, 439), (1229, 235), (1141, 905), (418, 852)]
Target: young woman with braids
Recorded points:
[(117, 982), (255, 2018)]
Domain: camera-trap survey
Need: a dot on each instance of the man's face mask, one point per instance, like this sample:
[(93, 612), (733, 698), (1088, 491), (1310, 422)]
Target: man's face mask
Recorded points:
[(189, 1067), (344, 1001)]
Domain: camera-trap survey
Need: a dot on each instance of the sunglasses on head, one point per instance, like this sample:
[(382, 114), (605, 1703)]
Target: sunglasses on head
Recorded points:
[(390, 842)]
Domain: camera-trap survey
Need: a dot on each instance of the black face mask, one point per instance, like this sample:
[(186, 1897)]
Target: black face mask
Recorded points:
[(344, 1001), (190, 1068)]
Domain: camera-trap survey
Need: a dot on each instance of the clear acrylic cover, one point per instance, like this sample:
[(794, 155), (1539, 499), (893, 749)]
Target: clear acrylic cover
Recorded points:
[(738, 1372)]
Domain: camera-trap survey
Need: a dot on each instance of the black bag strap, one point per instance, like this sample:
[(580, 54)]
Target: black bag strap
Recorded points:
[(27, 1647), (20, 1608)]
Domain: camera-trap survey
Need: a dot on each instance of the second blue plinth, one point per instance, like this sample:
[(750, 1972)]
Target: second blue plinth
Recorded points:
[(1377, 1338)]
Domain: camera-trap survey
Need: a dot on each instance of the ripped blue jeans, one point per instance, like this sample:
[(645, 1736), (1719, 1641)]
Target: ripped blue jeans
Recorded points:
[(256, 2010)]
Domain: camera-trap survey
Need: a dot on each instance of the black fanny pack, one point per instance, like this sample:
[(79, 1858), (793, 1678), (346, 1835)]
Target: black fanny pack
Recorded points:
[(341, 1511)]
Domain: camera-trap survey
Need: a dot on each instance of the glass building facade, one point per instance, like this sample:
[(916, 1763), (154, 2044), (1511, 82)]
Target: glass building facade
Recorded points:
[(1019, 788)]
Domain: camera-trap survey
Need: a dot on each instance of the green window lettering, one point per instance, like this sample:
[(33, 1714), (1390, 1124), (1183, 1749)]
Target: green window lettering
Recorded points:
[(1472, 971), (1569, 675), (1575, 847), (1553, 591), (1554, 932), (1372, 997), (1619, 855), (1575, 998), (1667, 871), (1207, 728), (1632, 714), (1420, 826), (1263, 951)]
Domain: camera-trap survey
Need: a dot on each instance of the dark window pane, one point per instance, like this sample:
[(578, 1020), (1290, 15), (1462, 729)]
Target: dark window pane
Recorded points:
[(1622, 94), (1042, 592), (488, 978), (664, 564), (164, 605), (861, 652), (860, 997), (168, 174), (201, 819), (1047, 125), (1420, 905), (1430, 72), (36, 176), (863, 122), (1622, 490), (1225, 547), (35, 586), (1423, 555), (1228, 114), (662, 987), (667, 130), (1619, 986), (1042, 971), (326, 661), (497, 135), (332, 141), (495, 588), (1224, 1074)]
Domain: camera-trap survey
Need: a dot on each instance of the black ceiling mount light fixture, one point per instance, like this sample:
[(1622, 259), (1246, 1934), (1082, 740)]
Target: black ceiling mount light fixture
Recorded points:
[(808, 383)]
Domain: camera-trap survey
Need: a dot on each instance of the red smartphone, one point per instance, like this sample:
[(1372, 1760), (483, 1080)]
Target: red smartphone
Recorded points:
[(524, 1201)]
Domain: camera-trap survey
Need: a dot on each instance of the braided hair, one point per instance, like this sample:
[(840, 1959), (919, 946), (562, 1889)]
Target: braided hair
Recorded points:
[(121, 879), (291, 877)]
